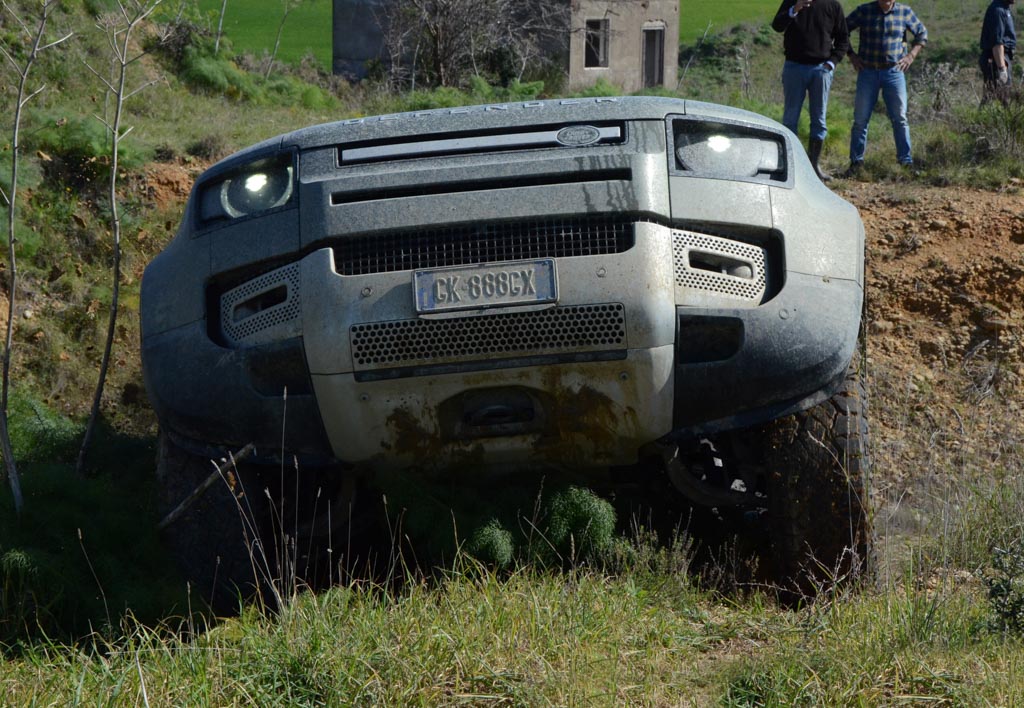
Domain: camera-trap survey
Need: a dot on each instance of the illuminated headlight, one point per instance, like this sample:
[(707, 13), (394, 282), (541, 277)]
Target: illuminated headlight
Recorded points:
[(257, 187), (728, 151)]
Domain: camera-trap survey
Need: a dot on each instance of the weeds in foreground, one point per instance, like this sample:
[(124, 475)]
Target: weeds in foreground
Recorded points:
[(532, 637)]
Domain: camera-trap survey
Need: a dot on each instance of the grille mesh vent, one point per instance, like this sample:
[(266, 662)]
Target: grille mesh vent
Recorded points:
[(263, 309), (559, 330), (694, 254), (483, 243)]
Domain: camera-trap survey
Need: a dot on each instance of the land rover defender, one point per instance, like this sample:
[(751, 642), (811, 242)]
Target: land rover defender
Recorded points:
[(581, 283)]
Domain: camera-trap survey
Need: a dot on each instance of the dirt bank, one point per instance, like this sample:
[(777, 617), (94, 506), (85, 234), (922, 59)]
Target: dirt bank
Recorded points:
[(945, 320)]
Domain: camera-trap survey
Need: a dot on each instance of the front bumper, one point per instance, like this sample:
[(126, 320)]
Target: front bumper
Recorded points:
[(680, 367)]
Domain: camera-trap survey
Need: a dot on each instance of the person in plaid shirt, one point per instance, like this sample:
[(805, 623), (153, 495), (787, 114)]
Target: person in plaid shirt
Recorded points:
[(881, 60)]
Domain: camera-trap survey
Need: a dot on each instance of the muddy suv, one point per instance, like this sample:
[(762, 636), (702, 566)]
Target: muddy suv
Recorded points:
[(583, 283)]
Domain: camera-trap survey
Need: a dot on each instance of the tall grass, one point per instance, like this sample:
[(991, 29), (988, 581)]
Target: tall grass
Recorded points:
[(539, 638)]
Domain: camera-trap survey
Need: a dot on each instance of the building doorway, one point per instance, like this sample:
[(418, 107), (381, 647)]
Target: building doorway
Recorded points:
[(654, 56)]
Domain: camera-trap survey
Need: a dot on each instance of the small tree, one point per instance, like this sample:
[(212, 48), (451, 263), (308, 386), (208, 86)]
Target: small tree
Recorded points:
[(443, 42), (220, 26), (287, 6), (118, 27), (37, 43)]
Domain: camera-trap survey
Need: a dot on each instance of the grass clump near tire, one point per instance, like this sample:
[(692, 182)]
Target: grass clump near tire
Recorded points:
[(492, 544), (580, 526)]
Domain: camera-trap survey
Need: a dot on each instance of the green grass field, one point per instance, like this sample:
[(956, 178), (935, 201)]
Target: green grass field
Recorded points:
[(696, 15), (251, 26)]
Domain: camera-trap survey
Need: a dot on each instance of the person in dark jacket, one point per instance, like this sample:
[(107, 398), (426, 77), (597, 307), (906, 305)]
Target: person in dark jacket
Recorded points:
[(998, 42), (814, 42)]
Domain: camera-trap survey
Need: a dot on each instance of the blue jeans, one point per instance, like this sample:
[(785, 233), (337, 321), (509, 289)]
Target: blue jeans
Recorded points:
[(814, 80), (893, 85)]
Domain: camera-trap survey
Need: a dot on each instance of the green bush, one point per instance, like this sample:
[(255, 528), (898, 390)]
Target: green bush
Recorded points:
[(27, 241), (83, 550), (523, 522), (601, 88), (479, 91), (442, 97), (19, 599), (38, 434), (78, 150), (997, 128), (484, 92), (492, 544), (207, 73), (580, 526), (204, 72), (216, 75), (1005, 583), (95, 8)]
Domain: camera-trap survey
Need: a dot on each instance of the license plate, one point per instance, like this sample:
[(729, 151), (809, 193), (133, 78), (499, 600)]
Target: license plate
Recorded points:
[(489, 285)]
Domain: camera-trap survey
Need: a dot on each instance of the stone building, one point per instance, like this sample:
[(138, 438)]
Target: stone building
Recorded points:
[(633, 44), (630, 43)]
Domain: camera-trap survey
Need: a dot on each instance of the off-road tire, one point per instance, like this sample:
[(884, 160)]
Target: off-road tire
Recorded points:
[(216, 542), (817, 479)]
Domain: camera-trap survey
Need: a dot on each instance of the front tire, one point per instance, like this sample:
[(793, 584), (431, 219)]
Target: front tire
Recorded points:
[(817, 474)]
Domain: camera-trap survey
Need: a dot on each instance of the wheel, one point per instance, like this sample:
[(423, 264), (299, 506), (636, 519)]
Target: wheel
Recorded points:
[(216, 542), (817, 474)]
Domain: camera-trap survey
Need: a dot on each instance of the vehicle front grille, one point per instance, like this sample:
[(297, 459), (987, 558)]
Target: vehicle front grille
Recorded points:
[(482, 243), (423, 342)]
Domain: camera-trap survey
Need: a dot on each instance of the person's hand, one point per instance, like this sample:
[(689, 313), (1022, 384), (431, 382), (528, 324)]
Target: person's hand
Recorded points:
[(1002, 76), (802, 5), (857, 62), (905, 61)]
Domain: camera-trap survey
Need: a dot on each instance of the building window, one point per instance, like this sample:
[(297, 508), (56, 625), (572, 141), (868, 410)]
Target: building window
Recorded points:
[(596, 54)]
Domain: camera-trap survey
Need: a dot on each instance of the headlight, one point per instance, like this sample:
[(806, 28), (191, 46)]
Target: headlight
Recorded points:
[(257, 187), (728, 151)]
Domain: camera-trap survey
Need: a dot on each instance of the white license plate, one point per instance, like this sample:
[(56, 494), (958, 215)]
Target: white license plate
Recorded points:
[(488, 285)]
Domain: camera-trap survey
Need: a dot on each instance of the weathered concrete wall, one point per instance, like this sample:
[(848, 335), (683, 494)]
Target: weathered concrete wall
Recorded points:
[(627, 20)]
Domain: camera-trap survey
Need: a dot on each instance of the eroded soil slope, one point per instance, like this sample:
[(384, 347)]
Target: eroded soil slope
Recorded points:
[(945, 321)]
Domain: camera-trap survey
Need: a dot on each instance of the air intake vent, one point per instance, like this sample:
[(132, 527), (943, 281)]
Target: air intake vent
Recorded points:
[(421, 342), (264, 309), (481, 243), (717, 272)]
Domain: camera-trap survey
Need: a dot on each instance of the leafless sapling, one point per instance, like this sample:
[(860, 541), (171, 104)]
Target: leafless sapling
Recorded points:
[(36, 42), (447, 41), (118, 26), (220, 26), (287, 7)]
